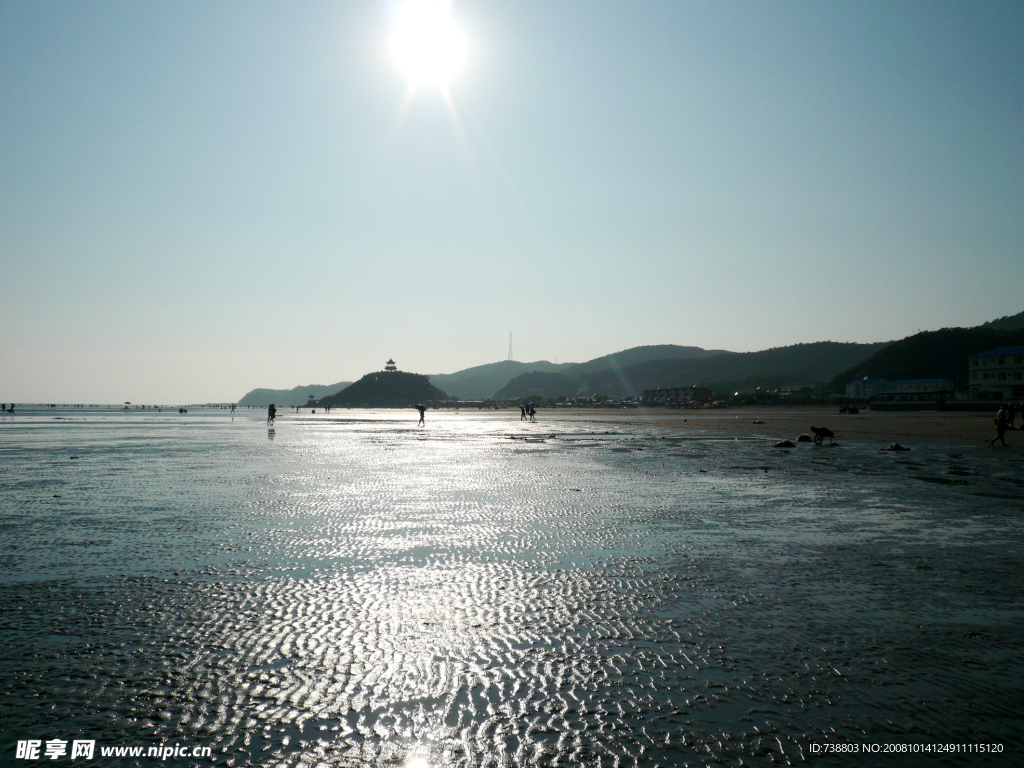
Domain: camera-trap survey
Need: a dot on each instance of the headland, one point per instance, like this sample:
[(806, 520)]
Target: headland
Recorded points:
[(386, 389)]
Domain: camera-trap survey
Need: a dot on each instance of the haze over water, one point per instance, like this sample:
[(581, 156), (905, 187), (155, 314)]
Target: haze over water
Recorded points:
[(350, 590)]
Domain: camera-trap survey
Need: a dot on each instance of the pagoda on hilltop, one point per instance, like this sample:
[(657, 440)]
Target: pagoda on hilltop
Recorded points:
[(390, 388)]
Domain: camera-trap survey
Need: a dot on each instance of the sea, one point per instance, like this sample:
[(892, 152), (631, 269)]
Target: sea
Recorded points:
[(351, 589)]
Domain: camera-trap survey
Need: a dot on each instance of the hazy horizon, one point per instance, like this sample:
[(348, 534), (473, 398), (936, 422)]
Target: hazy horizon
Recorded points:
[(198, 200), (293, 387)]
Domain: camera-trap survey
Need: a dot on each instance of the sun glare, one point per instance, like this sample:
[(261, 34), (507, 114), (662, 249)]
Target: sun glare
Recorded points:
[(428, 46)]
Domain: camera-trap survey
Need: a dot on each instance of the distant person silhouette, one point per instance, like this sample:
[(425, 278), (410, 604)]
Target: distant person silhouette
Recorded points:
[(271, 414), (522, 416), (533, 414), (422, 409), (1001, 426)]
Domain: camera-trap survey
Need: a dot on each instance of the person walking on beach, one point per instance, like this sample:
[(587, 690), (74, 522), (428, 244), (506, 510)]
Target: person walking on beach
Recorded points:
[(423, 410), (522, 413), (1001, 426), (533, 414), (271, 415)]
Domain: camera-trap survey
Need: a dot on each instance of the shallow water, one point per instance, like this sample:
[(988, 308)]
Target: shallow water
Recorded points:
[(352, 590)]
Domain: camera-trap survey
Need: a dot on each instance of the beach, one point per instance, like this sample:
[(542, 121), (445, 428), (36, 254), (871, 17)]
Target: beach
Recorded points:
[(596, 588), (908, 428)]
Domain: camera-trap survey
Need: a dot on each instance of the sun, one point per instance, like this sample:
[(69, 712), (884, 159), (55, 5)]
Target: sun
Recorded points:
[(428, 46)]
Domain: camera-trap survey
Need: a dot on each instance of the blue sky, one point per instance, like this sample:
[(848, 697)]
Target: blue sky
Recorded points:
[(201, 198)]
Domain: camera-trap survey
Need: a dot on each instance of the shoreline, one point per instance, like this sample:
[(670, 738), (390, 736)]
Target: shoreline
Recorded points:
[(908, 428), (905, 427)]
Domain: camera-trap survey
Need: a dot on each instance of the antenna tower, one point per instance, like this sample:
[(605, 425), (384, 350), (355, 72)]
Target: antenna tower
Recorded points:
[(510, 345)]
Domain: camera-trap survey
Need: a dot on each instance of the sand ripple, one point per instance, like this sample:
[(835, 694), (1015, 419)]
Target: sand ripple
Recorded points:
[(484, 593)]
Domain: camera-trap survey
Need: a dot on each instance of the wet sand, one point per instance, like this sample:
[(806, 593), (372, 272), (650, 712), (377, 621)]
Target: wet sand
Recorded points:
[(906, 428), (353, 591)]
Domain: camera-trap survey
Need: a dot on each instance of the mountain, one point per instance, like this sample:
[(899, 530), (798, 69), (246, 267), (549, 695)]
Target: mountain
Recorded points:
[(770, 368), (296, 396), (931, 355), (540, 385), (1008, 323), (482, 381), (386, 389), (637, 355)]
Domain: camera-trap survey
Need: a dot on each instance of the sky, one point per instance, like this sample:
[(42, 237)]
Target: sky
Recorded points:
[(198, 199)]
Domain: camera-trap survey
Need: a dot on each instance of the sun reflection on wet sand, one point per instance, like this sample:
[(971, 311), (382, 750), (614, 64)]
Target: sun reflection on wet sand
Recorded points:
[(362, 593)]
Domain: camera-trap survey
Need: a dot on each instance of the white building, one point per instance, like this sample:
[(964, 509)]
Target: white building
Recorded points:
[(675, 395), (865, 388), (920, 387), (998, 372), (905, 389)]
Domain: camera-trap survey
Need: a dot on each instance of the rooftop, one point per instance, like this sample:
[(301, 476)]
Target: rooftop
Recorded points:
[(1000, 351)]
